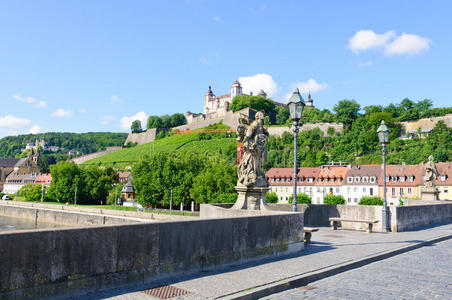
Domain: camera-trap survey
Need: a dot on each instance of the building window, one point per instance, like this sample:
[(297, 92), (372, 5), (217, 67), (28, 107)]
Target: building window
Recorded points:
[(355, 189), (372, 179), (356, 200), (283, 179), (387, 178), (349, 190), (446, 190), (277, 179), (409, 191), (287, 198), (371, 191), (301, 180), (365, 179), (337, 190), (319, 179), (401, 192), (443, 178), (349, 200), (394, 178), (402, 179), (356, 179), (349, 179), (393, 192), (364, 190), (411, 178), (273, 179)]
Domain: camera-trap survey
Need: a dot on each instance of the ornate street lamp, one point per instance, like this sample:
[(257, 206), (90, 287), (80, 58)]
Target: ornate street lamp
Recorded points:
[(383, 136), (296, 105)]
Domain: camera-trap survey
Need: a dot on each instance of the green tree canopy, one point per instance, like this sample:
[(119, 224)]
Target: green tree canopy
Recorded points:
[(136, 126), (255, 102), (347, 111)]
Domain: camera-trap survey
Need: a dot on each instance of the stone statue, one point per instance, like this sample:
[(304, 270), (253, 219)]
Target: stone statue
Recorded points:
[(252, 186), (254, 138), (430, 173)]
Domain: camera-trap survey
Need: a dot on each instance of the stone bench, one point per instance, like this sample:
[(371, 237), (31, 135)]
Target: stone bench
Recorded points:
[(308, 234), (334, 221)]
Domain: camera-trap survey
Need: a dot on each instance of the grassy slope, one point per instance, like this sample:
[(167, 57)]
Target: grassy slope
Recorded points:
[(188, 141)]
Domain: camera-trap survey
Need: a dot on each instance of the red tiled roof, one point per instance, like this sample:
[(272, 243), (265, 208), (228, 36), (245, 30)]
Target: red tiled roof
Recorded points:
[(44, 179), (287, 173), (364, 171), (332, 172)]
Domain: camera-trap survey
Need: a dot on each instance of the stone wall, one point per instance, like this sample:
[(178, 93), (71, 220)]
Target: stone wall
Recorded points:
[(143, 137), (64, 218), (75, 261), (425, 124), (402, 218), (81, 159), (417, 216)]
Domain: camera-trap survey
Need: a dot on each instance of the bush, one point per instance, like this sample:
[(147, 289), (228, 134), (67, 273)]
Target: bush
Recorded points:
[(333, 199), (271, 197), (370, 200), (301, 199), (30, 192)]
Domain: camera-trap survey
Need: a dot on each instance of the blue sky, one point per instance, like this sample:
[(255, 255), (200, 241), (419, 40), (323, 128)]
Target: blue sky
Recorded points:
[(86, 65)]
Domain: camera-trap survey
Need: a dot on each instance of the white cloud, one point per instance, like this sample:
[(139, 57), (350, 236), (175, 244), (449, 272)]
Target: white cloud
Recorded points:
[(10, 121), (35, 129), (365, 64), (126, 122), (115, 99), (61, 113), (310, 86), (367, 39), (258, 82), (30, 100), (107, 119), (409, 44), (389, 42)]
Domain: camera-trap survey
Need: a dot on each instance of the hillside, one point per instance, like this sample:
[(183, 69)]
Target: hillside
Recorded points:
[(177, 142), (84, 143)]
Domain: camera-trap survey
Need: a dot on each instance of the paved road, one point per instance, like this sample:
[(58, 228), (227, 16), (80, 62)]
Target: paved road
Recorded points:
[(425, 273)]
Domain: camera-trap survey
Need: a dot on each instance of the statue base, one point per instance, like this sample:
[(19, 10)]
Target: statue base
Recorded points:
[(430, 194), (251, 198)]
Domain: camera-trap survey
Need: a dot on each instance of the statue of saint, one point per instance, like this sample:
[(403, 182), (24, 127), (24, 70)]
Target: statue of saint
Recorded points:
[(254, 138), (430, 173)]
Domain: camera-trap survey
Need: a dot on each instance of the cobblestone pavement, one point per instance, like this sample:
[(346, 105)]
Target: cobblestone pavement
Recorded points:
[(425, 273)]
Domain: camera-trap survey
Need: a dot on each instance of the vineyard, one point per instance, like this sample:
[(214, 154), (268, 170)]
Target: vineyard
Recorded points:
[(178, 142)]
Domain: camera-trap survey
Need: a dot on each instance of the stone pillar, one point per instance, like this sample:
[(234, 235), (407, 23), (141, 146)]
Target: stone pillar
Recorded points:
[(430, 194), (251, 198)]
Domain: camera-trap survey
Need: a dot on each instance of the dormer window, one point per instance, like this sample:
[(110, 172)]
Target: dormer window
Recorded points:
[(283, 179), (357, 179), (402, 179), (273, 179), (443, 178), (365, 179), (410, 178), (310, 180), (387, 178), (277, 179), (394, 178), (300, 180), (319, 179), (372, 179), (350, 179)]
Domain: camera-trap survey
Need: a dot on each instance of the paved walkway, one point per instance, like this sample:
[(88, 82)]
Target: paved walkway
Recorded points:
[(424, 273), (330, 253)]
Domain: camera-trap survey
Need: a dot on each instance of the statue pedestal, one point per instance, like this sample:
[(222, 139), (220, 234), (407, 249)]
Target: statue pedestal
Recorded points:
[(251, 198), (430, 194)]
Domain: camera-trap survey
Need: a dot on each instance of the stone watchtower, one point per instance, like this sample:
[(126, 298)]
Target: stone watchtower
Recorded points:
[(309, 101), (236, 89), (208, 97)]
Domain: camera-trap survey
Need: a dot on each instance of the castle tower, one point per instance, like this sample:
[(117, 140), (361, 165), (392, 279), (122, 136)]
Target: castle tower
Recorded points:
[(236, 89), (207, 100), (309, 101), (262, 94)]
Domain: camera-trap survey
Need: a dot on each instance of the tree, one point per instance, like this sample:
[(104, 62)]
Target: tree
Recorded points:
[(282, 115), (271, 197), (136, 126), (255, 102), (154, 122), (177, 120), (66, 178), (30, 192), (333, 199), (301, 199), (347, 111), (370, 200)]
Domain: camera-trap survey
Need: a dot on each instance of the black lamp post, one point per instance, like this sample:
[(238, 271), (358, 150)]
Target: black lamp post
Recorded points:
[(296, 105), (383, 136)]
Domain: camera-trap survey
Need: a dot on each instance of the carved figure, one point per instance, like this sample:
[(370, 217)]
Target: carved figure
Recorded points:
[(254, 138), (430, 173)]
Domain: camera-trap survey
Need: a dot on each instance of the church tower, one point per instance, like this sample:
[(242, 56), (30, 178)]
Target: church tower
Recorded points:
[(236, 89), (208, 100), (309, 101)]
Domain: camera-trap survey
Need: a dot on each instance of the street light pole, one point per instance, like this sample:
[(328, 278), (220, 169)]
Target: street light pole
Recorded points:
[(383, 136), (296, 105), (295, 179)]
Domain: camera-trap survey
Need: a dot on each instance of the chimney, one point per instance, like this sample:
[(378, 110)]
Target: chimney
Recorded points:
[(403, 163)]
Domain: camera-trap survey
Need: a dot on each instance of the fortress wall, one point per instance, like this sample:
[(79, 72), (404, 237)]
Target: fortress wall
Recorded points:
[(143, 137), (338, 127), (83, 158), (71, 262), (425, 124)]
